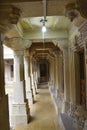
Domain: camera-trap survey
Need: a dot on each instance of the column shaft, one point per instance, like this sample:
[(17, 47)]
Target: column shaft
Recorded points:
[(66, 80), (29, 92), (4, 115)]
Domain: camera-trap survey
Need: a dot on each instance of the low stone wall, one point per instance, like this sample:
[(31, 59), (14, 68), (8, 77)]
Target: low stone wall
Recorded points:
[(77, 113)]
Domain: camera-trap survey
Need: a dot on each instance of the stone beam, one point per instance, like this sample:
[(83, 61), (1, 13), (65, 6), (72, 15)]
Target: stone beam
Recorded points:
[(50, 34)]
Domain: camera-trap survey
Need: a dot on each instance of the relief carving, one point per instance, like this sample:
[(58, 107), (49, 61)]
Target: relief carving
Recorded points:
[(9, 14), (72, 10)]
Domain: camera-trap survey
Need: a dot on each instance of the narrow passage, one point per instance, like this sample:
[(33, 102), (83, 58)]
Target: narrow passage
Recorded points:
[(43, 116)]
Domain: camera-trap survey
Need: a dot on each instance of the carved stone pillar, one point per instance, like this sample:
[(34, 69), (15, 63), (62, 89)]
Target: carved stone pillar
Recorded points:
[(86, 71), (32, 75), (29, 92), (35, 76), (38, 74), (60, 74), (72, 82), (50, 72), (53, 73), (56, 75), (4, 115), (20, 110), (66, 80)]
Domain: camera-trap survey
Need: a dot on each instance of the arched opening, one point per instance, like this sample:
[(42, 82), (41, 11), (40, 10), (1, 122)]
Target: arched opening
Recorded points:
[(43, 71)]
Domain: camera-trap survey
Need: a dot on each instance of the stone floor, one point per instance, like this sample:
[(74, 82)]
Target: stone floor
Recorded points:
[(43, 116)]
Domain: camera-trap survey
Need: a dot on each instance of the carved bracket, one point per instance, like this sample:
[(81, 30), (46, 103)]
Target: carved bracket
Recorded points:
[(73, 9)]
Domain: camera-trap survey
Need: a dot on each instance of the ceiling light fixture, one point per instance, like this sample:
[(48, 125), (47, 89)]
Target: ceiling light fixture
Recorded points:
[(44, 19), (44, 28)]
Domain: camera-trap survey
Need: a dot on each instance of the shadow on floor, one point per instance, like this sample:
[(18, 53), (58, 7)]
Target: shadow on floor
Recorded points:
[(32, 119), (35, 101)]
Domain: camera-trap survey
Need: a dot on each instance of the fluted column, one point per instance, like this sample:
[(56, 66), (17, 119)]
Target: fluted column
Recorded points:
[(66, 80), (20, 110), (4, 115), (29, 92)]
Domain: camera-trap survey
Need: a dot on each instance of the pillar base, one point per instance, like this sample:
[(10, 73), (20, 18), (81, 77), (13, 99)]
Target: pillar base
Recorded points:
[(29, 95), (4, 115), (20, 114)]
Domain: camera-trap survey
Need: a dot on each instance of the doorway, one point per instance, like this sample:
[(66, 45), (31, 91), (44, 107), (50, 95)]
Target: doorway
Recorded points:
[(43, 72)]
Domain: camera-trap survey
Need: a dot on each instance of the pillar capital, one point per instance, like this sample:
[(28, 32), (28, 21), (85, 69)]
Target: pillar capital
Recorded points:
[(17, 43)]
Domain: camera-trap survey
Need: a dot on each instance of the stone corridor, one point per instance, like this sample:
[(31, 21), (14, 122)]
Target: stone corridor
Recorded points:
[(43, 116)]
